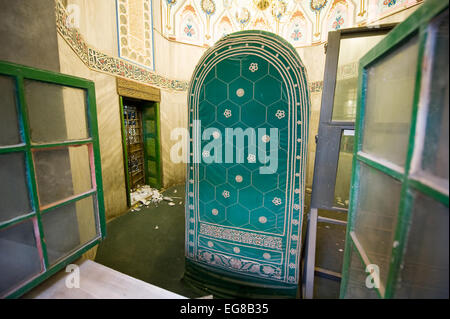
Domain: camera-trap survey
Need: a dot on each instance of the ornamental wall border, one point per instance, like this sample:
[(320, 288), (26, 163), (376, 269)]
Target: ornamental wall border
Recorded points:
[(101, 62), (115, 66)]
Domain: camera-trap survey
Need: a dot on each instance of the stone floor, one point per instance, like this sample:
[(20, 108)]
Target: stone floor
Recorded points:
[(149, 245)]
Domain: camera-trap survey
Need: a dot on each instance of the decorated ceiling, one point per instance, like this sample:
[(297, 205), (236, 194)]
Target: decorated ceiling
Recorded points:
[(301, 22)]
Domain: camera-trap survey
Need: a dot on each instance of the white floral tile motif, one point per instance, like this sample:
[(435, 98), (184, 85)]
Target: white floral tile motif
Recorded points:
[(227, 113), (280, 114), (266, 256), (265, 138), (238, 178), (205, 154), (226, 194), (292, 265), (216, 134), (291, 278), (276, 201), (215, 212), (295, 222), (210, 244), (240, 92), (262, 219), (236, 250), (251, 158), (253, 67)]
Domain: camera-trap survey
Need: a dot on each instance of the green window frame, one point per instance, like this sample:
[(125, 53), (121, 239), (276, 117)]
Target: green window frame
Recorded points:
[(420, 25), (20, 74)]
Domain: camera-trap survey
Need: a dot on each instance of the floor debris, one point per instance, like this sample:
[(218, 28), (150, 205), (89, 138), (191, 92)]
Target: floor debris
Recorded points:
[(145, 195)]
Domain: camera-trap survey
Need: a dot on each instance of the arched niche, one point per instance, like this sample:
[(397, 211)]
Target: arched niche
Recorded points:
[(243, 227)]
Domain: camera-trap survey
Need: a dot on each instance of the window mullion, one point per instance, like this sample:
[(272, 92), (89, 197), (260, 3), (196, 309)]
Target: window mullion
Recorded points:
[(23, 115)]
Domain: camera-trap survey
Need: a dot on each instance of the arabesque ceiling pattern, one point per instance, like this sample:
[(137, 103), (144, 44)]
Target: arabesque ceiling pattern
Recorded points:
[(301, 22)]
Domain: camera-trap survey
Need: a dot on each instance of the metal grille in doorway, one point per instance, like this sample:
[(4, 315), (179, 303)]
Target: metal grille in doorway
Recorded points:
[(135, 146)]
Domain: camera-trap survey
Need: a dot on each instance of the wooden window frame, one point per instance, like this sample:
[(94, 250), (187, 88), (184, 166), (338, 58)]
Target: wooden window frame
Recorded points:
[(19, 74), (418, 24)]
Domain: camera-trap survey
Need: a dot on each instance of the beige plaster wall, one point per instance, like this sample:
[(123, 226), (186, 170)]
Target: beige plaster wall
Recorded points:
[(97, 23), (173, 59), (314, 60), (173, 113), (108, 113)]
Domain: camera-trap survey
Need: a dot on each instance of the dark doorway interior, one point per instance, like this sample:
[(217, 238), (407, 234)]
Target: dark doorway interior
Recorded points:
[(141, 143)]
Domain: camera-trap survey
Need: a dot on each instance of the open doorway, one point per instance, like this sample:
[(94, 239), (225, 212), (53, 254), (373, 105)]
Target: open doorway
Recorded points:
[(141, 143)]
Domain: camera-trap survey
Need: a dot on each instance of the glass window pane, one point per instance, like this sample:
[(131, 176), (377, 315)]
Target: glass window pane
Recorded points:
[(62, 172), (376, 213), (14, 196), (425, 271), (69, 227), (356, 285), (389, 99), (19, 258), (350, 51), (56, 113), (435, 148), (9, 125), (344, 170)]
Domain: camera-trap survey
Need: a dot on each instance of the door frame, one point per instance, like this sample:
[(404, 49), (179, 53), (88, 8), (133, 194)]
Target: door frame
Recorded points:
[(147, 94)]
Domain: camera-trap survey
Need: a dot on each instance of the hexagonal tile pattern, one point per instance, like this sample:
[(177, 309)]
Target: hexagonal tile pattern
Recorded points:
[(210, 76), (246, 91), (262, 218), (254, 67), (284, 138), (275, 201), (268, 90), (238, 215), (264, 182), (206, 191), (239, 176), (201, 172), (228, 113), (207, 113), (250, 197), (216, 91), (253, 113), (214, 173), (213, 212), (277, 114), (226, 194), (240, 91), (229, 69)]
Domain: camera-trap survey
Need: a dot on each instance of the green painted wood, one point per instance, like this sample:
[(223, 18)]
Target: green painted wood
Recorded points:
[(152, 138), (22, 73), (125, 152), (416, 24)]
